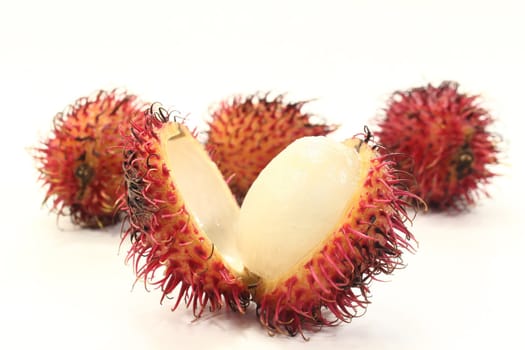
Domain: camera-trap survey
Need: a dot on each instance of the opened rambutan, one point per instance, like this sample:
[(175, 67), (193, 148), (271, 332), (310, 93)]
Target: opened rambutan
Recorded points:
[(445, 134), (81, 163), (319, 223), (245, 133)]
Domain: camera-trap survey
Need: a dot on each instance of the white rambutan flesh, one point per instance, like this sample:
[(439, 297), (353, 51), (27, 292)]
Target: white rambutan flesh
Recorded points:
[(297, 200), (206, 195)]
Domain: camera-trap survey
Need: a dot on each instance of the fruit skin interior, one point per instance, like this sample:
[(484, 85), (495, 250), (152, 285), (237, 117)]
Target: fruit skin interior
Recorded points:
[(206, 195)]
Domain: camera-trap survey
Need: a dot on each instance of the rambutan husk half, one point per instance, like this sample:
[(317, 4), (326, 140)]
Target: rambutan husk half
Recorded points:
[(179, 212), (247, 132), (344, 235), (80, 164), (321, 221)]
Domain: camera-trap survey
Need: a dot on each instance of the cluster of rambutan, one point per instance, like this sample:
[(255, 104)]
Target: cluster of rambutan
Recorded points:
[(269, 210)]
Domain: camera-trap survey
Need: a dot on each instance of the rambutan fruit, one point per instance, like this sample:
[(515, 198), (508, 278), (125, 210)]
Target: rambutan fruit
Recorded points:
[(80, 164), (245, 133), (445, 134), (320, 222)]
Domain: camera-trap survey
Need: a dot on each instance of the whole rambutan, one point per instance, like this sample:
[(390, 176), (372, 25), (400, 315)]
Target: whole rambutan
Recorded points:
[(245, 133), (80, 164), (445, 134), (320, 222)]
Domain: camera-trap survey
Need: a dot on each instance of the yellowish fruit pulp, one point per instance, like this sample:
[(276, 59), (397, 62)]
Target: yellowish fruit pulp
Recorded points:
[(296, 201), (205, 193)]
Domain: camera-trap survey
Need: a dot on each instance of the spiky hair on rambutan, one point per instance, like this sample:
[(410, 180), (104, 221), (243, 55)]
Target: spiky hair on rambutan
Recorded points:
[(321, 221), (446, 135), (80, 164), (247, 132)]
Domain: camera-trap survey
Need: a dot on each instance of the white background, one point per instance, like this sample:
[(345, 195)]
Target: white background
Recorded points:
[(67, 288)]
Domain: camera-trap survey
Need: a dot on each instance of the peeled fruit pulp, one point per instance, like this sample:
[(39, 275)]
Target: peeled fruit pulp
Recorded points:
[(80, 164), (297, 197), (318, 224), (245, 133), (446, 136)]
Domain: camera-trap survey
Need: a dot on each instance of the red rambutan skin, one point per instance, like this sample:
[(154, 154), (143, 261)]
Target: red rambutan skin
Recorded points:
[(163, 233), (445, 133), (80, 164), (333, 286), (246, 133)]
